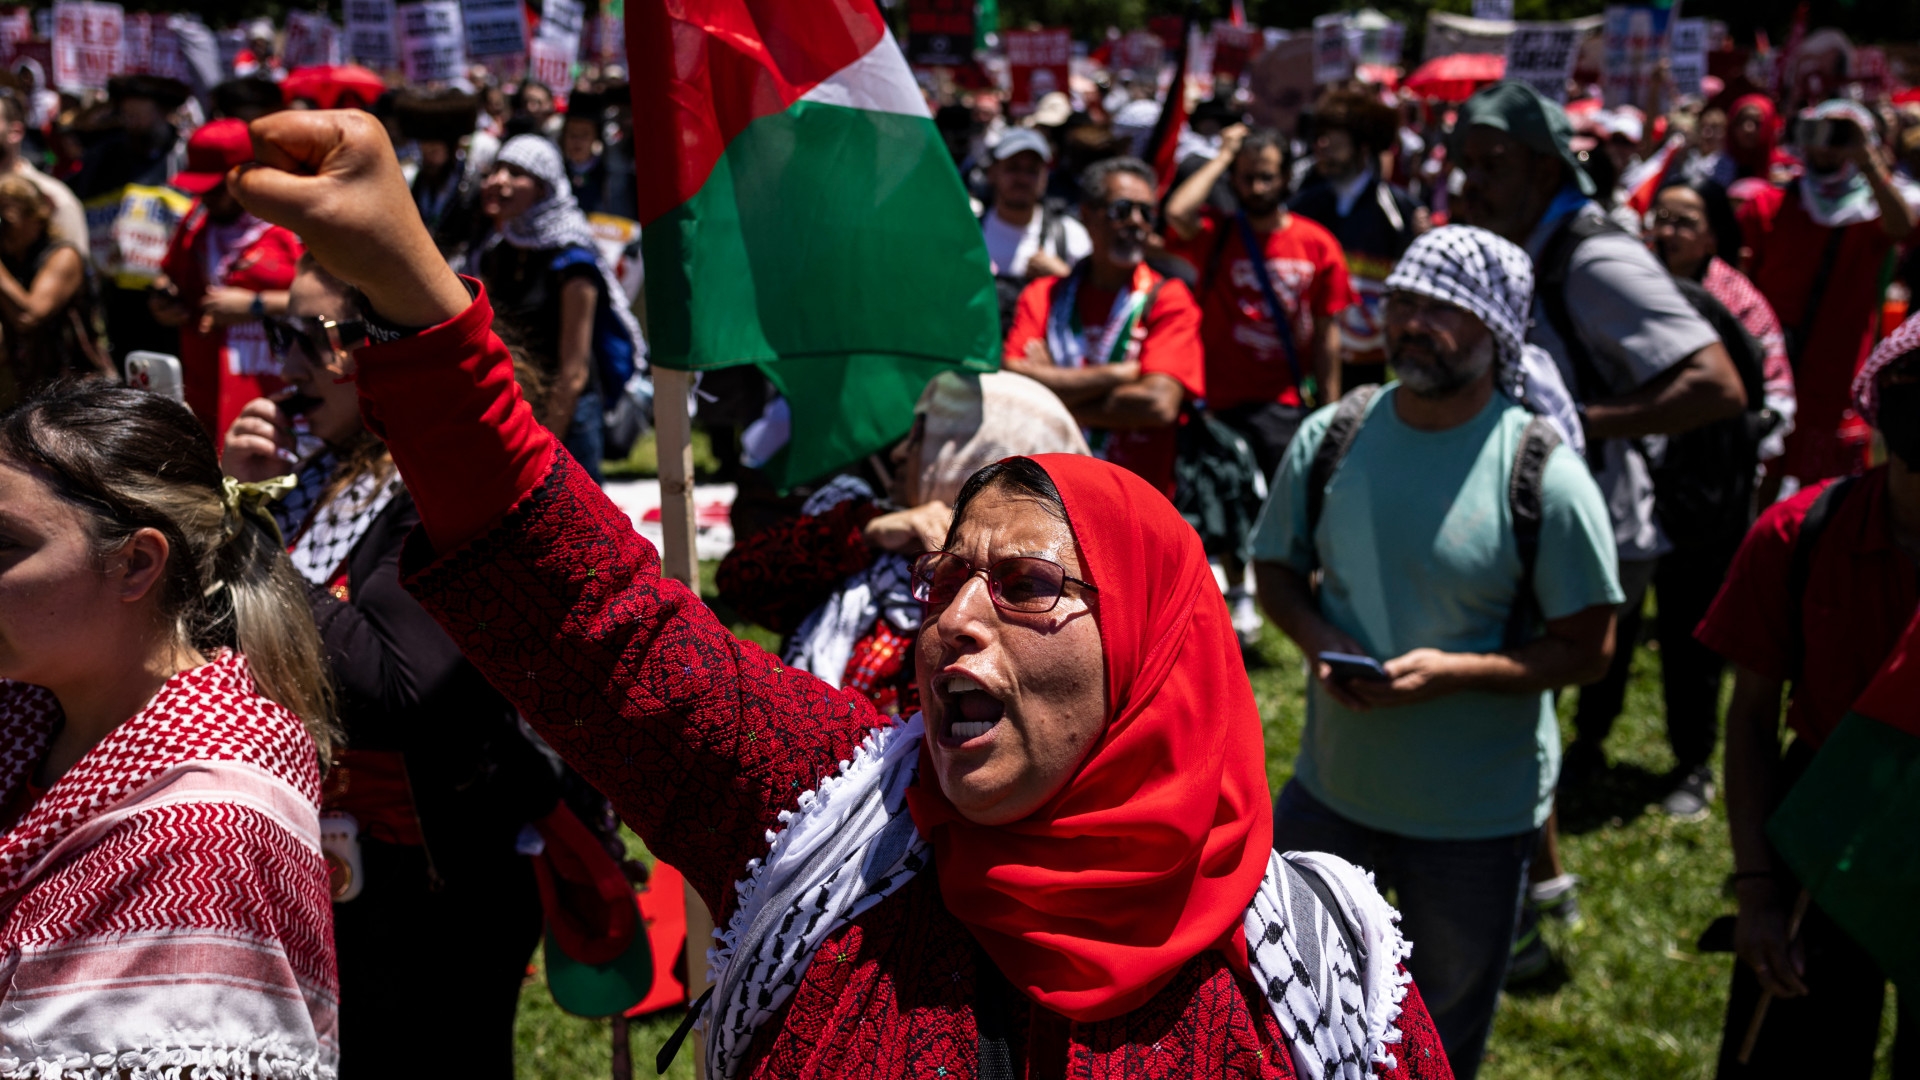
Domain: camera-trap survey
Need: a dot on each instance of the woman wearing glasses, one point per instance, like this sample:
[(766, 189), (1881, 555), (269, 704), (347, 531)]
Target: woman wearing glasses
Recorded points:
[(1063, 861), (435, 921), (835, 579)]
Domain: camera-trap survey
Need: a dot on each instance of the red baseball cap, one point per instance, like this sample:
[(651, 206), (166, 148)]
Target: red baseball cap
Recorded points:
[(215, 148)]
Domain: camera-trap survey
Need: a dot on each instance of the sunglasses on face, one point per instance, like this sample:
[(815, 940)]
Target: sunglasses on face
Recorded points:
[(321, 338), (1028, 585), (1125, 209)]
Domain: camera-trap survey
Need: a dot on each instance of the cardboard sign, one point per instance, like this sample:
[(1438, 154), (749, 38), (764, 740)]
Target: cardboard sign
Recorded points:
[(433, 45), (1233, 48), (1495, 10), (940, 32), (311, 39), (370, 38), (494, 27), (1541, 54), (1332, 60), (87, 44), (1039, 62), (1687, 64)]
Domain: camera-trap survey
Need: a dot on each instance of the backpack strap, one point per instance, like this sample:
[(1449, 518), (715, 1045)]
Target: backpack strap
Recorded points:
[(1345, 426), (1800, 569), (1526, 503), (1551, 288)]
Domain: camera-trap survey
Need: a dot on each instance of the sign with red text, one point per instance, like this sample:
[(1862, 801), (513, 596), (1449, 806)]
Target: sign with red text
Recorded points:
[(1039, 62), (939, 32), (550, 62), (88, 44)]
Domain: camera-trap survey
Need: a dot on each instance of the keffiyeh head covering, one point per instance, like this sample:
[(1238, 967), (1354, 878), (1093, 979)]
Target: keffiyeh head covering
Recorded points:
[(1491, 278), (555, 221), (1866, 385), (975, 420)]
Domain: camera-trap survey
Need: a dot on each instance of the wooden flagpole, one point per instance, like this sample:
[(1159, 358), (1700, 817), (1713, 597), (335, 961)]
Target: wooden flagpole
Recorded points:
[(673, 439)]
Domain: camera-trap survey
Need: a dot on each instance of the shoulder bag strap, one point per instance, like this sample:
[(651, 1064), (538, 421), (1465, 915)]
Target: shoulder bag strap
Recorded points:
[(1800, 569), (1526, 503), (1282, 325), (1345, 426)]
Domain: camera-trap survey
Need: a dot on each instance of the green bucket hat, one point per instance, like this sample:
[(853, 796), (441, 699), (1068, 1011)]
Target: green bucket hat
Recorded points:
[(1519, 110)]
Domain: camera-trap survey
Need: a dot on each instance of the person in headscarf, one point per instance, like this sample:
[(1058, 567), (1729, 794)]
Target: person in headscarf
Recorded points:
[(835, 578), (1753, 138), (1819, 248), (1437, 768), (1087, 774), (555, 292)]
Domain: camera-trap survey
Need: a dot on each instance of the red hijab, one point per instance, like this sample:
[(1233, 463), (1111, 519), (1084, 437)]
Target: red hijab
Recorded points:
[(1756, 160), (1151, 853)]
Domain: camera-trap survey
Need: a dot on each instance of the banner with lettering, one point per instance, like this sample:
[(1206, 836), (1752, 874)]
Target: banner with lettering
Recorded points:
[(494, 27), (370, 38), (88, 40), (1038, 62), (433, 44), (1542, 54)]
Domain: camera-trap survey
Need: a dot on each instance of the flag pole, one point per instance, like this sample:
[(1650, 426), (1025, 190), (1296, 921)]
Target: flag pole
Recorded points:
[(673, 440)]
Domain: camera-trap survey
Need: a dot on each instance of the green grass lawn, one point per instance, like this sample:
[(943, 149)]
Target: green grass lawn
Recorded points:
[(1635, 999)]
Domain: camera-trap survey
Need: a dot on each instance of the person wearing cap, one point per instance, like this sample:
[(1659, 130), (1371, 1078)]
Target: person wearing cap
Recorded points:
[(224, 273), (1641, 362), (1820, 245), (1374, 220), (1438, 776), (1819, 597), (1027, 236)]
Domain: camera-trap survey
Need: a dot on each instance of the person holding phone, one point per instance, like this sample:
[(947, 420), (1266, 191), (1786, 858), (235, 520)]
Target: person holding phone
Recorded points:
[(1431, 748)]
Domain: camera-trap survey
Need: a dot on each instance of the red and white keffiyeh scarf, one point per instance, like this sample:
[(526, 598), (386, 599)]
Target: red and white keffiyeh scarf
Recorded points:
[(164, 907)]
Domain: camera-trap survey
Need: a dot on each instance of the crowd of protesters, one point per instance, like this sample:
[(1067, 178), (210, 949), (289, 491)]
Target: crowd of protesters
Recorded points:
[(1444, 399)]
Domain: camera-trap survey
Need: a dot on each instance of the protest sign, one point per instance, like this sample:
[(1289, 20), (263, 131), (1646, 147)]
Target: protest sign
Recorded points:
[(1636, 39), (550, 62), (370, 39), (87, 44), (1332, 59), (128, 230), (494, 27), (432, 41), (561, 21), (1281, 79), (1141, 52), (311, 39), (940, 32), (16, 26), (1038, 61), (1687, 62), (1496, 10), (610, 33), (1233, 47), (1374, 39), (1541, 54), (150, 47)]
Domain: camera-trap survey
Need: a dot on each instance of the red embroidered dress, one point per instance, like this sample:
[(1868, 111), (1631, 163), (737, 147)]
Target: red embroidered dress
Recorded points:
[(702, 741), (164, 905)]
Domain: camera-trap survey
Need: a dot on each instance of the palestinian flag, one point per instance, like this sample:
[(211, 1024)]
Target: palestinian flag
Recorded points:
[(1847, 827), (800, 212)]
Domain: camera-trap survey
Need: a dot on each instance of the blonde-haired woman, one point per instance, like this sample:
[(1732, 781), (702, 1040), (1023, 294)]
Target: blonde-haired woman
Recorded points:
[(164, 716), (46, 316)]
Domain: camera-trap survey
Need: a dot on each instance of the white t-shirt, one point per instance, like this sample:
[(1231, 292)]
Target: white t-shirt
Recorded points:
[(1010, 246)]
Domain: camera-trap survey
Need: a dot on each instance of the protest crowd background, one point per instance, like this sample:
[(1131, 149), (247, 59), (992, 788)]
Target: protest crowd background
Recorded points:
[(1572, 386)]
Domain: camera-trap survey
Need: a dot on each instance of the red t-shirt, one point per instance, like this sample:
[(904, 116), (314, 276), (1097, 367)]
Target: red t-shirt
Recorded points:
[(1787, 247), (1245, 361), (223, 370), (1165, 341), (1860, 597)]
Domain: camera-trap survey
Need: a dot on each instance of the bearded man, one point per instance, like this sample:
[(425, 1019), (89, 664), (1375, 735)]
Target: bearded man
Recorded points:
[(1441, 626)]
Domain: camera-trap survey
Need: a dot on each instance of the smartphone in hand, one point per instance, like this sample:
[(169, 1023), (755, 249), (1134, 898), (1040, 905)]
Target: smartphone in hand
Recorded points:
[(1347, 667)]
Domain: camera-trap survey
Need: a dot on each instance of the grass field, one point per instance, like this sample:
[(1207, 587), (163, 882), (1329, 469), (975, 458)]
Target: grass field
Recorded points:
[(1633, 999)]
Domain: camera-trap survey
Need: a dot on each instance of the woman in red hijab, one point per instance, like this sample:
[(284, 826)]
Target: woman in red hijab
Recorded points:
[(1064, 862), (1753, 137)]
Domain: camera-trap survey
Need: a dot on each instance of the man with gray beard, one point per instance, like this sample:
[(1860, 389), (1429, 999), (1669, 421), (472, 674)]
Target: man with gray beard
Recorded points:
[(1467, 571)]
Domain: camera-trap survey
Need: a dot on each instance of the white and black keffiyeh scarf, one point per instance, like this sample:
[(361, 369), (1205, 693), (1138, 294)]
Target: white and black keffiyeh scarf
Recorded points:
[(325, 533), (1491, 278), (824, 642), (853, 842)]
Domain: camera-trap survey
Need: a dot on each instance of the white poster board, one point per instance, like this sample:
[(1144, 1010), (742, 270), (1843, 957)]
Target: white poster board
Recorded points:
[(494, 27), (550, 63), (87, 44), (1687, 63), (370, 38), (562, 21), (433, 45), (1332, 59), (1542, 54)]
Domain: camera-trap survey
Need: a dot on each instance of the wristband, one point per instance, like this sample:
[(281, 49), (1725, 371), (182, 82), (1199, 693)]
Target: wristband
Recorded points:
[(381, 330)]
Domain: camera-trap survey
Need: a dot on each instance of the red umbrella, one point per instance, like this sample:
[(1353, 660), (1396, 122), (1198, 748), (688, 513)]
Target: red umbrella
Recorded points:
[(330, 86), (1456, 77)]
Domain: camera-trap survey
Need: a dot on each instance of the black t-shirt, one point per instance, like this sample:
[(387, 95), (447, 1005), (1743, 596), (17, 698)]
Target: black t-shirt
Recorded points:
[(1366, 230), (524, 286)]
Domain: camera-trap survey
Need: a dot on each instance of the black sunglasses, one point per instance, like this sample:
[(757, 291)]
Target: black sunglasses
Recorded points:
[(1123, 209), (1025, 584), (321, 337)]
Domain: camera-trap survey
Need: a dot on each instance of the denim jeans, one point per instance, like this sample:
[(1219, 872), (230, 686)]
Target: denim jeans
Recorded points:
[(584, 436), (1459, 904)]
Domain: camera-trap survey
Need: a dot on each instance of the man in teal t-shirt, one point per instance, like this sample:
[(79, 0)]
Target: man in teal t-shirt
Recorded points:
[(1438, 777)]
